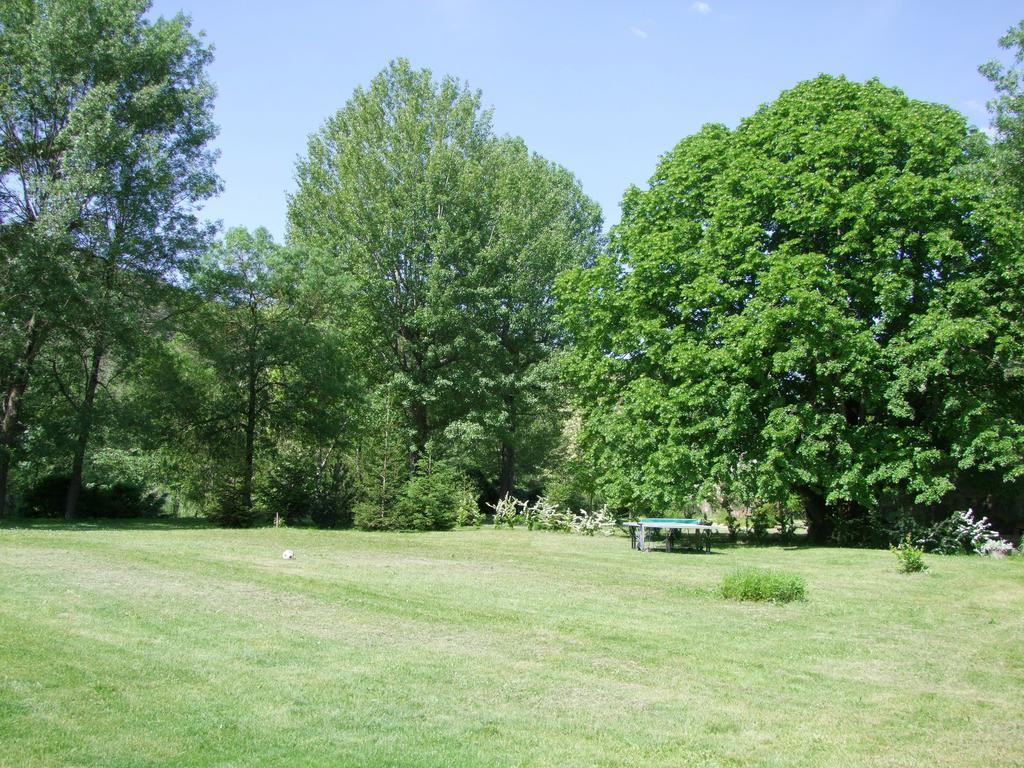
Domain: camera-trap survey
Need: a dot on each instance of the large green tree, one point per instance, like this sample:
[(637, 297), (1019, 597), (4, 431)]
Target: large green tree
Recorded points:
[(827, 296), (539, 224), (386, 194), (106, 122), (443, 243)]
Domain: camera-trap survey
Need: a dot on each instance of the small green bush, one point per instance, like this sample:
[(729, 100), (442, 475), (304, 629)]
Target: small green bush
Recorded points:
[(467, 509), (759, 584), (370, 516), (228, 508), (909, 559), (761, 519)]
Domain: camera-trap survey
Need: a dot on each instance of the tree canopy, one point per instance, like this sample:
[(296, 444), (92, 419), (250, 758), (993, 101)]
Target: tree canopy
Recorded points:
[(104, 152), (817, 312), (443, 242), (827, 298)]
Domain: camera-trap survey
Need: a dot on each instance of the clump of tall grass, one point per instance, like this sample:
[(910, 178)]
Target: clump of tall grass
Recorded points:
[(763, 585)]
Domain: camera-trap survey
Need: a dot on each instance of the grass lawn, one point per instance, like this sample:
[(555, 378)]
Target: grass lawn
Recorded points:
[(152, 646)]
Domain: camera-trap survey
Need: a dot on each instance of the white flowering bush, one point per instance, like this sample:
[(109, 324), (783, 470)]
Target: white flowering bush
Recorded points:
[(467, 511), (507, 511), (590, 522), (960, 533), (997, 548), (547, 516)]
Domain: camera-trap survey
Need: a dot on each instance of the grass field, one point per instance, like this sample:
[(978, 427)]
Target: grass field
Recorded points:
[(200, 647)]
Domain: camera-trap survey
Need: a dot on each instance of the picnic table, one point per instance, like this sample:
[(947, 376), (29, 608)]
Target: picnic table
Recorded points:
[(638, 531)]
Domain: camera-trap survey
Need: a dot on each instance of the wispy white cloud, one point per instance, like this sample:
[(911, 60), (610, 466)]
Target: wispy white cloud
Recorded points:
[(701, 7), (638, 32)]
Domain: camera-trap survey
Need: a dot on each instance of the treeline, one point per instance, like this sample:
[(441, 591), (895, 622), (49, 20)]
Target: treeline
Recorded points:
[(818, 311)]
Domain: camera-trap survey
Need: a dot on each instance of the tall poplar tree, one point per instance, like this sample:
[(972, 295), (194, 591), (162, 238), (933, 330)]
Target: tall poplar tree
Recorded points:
[(444, 243)]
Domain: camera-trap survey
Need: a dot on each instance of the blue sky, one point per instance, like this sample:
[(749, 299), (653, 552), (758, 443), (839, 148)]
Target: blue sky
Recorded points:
[(603, 88)]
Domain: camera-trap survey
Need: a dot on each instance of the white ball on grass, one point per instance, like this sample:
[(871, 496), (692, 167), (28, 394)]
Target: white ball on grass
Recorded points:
[(287, 555)]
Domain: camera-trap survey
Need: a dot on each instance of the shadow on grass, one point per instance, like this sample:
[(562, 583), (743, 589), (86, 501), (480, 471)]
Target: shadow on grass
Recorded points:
[(162, 523), (688, 551)]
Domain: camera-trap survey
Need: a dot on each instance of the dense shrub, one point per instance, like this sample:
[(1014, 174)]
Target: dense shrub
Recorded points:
[(371, 516), (786, 519), (120, 500), (228, 508), (429, 500), (467, 509), (589, 522), (302, 489), (732, 522), (909, 559), (433, 499), (762, 517), (759, 584), (958, 534)]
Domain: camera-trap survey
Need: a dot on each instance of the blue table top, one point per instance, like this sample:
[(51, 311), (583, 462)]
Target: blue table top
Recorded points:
[(690, 521)]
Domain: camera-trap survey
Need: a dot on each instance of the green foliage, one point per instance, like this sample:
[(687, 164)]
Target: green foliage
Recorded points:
[(826, 294), (120, 500), (786, 519), (758, 584), (909, 558), (302, 488), (104, 155), (372, 516), (762, 517), (439, 244), (732, 523), (434, 498), (230, 508), (571, 479), (253, 381), (1008, 113), (431, 499)]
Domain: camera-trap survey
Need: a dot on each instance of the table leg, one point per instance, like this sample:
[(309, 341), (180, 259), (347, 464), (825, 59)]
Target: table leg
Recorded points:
[(641, 539), (668, 540)]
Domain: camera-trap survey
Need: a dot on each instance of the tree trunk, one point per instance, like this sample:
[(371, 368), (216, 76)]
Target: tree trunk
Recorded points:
[(508, 471), (5, 469), (507, 477), (820, 525), (420, 423), (84, 430), (10, 419), (250, 441)]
